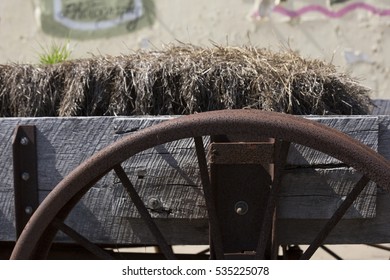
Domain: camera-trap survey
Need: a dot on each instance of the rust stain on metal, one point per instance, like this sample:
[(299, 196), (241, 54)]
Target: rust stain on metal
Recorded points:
[(240, 152)]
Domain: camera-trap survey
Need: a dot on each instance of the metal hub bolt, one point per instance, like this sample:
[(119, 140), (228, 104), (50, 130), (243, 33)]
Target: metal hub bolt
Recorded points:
[(28, 210), (25, 176), (241, 208), (154, 203), (24, 141)]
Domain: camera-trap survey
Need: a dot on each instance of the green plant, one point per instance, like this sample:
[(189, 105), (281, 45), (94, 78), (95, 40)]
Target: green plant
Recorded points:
[(55, 53)]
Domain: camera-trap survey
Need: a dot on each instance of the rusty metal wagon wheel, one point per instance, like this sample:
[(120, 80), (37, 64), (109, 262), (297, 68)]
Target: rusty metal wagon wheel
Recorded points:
[(38, 235)]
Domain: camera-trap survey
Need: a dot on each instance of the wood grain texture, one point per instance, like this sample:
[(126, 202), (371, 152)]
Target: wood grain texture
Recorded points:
[(348, 231), (381, 107), (169, 174)]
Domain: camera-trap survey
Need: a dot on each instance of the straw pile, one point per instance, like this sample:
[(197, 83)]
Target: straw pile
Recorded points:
[(180, 80)]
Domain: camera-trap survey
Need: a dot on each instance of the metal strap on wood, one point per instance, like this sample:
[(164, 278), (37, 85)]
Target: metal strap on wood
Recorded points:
[(25, 175), (241, 176)]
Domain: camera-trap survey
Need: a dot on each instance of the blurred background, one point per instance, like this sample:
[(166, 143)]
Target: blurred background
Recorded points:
[(353, 35)]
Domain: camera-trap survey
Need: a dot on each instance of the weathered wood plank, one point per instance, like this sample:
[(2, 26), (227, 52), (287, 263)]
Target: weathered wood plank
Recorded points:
[(326, 192), (176, 165), (170, 174), (7, 214), (124, 230), (381, 107), (364, 129), (348, 231), (190, 202), (384, 136), (62, 144)]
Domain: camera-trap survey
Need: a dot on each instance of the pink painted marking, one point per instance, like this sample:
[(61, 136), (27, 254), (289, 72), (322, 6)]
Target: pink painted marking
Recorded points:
[(332, 14)]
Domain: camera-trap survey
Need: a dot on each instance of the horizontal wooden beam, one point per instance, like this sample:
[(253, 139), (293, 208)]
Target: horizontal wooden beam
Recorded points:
[(313, 187)]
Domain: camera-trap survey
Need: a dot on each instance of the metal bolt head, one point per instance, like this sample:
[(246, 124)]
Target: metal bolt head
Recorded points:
[(24, 141), (241, 208), (28, 210), (154, 203), (25, 176)]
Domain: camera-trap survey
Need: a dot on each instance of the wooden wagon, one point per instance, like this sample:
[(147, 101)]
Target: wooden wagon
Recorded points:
[(243, 183)]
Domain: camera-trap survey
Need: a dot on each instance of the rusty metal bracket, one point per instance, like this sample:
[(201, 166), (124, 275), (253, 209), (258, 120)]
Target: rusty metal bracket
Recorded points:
[(25, 175), (242, 153), (241, 176)]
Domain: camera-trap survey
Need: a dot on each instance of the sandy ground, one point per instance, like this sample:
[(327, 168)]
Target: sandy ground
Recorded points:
[(354, 252), (356, 42), (346, 252)]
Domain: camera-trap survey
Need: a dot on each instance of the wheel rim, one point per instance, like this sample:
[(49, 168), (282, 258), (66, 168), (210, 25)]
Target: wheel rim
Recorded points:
[(259, 123)]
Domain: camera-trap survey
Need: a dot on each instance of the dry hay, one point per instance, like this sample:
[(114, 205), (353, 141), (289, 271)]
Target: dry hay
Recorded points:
[(180, 80)]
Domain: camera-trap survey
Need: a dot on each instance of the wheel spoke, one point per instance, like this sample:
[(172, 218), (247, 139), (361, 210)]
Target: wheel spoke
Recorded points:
[(162, 243), (332, 222), (215, 230), (94, 249), (205, 251), (379, 247), (330, 252), (269, 221)]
